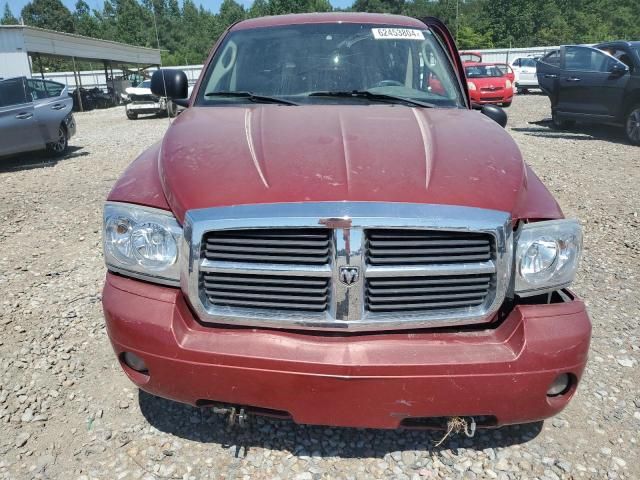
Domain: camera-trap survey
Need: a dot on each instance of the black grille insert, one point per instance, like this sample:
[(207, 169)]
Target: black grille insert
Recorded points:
[(412, 247), (286, 292), (390, 294), (288, 246)]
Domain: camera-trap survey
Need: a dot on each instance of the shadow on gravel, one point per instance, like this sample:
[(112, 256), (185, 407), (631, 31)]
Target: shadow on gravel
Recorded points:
[(30, 160), (579, 131), (202, 425)]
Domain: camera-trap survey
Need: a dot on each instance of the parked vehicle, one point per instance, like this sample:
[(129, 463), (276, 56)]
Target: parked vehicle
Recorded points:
[(508, 72), (139, 101), (471, 57), (598, 84), (34, 115), (92, 98), (525, 69), (488, 83), (322, 236)]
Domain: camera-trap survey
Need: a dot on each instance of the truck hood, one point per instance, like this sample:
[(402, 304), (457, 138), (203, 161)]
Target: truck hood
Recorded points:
[(219, 156), (138, 91)]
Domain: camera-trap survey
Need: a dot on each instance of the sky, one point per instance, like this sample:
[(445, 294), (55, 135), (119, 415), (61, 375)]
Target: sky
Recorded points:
[(213, 5)]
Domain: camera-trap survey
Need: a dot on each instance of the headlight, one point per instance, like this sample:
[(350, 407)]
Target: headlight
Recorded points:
[(547, 256), (142, 242), (507, 84), (471, 85)]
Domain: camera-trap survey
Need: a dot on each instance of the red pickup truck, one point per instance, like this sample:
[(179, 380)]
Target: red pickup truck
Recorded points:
[(322, 236)]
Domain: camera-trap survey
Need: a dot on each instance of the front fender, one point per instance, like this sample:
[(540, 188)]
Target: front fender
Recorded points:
[(140, 182)]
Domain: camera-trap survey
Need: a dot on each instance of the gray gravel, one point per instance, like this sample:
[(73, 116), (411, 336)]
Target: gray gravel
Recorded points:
[(66, 410)]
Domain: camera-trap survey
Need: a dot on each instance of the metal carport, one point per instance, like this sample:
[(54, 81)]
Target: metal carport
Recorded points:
[(19, 42)]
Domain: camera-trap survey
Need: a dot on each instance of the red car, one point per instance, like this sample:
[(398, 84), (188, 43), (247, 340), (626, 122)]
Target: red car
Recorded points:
[(489, 83), (508, 72), (322, 235), (471, 57)]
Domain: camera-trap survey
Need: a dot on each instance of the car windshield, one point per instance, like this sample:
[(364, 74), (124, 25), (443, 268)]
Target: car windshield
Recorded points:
[(527, 62), (298, 62), (483, 71), (145, 84)]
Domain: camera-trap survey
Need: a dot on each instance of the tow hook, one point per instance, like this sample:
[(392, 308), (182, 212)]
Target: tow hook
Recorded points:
[(235, 416)]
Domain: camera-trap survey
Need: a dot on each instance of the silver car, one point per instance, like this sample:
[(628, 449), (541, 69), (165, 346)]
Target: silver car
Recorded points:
[(35, 115)]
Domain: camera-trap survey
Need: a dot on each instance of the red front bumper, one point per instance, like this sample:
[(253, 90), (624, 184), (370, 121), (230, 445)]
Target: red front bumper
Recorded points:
[(356, 380), (499, 96)]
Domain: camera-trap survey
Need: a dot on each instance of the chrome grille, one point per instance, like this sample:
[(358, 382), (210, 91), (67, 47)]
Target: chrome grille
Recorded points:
[(346, 265), (266, 291), (429, 291), (426, 293), (293, 246), (408, 247)]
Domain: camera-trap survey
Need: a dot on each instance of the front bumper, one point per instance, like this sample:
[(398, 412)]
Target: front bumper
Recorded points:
[(146, 107), (382, 380), (500, 96), (70, 125)]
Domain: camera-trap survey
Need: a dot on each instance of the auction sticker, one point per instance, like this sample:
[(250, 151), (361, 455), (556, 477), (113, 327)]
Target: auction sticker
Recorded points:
[(397, 34)]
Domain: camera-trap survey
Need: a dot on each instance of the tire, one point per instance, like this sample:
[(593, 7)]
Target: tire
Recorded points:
[(60, 146), (506, 104), (172, 109), (632, 125), (132, 115), (559, 123)]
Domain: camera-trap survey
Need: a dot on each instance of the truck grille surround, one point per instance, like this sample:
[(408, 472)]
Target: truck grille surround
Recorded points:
[(346, 266)]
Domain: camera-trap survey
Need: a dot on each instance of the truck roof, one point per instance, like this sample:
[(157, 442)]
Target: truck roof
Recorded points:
[(329, 17)]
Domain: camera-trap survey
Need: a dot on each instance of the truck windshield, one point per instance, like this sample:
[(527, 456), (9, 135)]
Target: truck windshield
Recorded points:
[(309, 62)]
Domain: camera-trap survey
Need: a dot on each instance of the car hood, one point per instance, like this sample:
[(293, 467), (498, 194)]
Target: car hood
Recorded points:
[(138, 91), (218, 156)]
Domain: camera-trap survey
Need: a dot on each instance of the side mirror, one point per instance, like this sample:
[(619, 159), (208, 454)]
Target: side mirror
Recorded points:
[(495, 113), (618, 69), (170, 83)]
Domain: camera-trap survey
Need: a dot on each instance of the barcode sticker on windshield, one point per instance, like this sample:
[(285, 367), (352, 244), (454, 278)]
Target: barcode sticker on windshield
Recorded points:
[(397, 34)]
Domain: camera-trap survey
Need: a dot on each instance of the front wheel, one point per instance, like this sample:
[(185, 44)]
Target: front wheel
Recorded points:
[(560, 123), (632, 125), (506, 104), (132, 115), (59, 147)]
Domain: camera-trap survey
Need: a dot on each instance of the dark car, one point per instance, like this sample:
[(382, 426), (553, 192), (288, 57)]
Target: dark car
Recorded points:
[(598, 84)]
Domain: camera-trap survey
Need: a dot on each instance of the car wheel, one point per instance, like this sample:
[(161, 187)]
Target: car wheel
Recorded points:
[(132, 115), (172, 109), (632, 125), (506, 104), (559, 123), (59, 147)]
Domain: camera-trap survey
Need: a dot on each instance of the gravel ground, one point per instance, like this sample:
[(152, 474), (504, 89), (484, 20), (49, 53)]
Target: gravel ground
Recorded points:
[(67, 411)]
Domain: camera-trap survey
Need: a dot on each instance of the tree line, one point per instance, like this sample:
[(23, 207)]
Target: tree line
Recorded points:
[(186, 31)]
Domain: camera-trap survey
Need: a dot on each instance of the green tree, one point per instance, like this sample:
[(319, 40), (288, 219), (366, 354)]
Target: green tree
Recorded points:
[(51, 14), (84, 20), (231, 12), (7, 16), (259, 8), (379, 6)]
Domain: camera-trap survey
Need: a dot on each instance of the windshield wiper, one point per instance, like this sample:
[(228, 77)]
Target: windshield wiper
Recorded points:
[(252, 97), (368, 94)]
